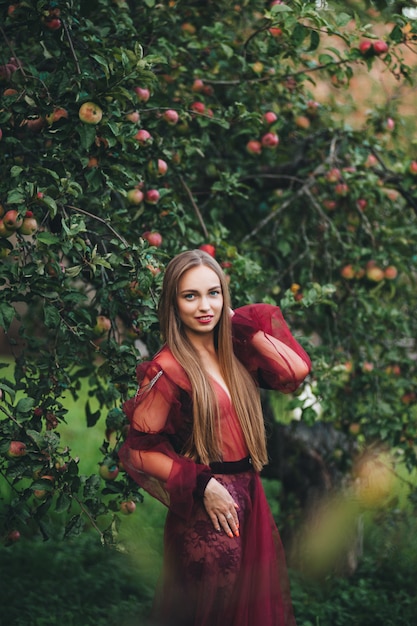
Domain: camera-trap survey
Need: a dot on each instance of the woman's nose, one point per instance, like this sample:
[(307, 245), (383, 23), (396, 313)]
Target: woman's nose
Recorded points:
[(204, 304)]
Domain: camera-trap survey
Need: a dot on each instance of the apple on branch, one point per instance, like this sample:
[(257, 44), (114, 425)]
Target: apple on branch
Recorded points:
[(144, 137), (153, 238), (12, 220), (108, 470), (254, 147), (209, 248), (171, 117), (127, 507), (152, 196), (90, 113), (270, 140), (143, 94), (135, 196), (103, 325), (16, 449)]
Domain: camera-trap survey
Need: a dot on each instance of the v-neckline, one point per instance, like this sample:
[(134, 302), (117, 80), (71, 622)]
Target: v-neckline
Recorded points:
[(222, 387)]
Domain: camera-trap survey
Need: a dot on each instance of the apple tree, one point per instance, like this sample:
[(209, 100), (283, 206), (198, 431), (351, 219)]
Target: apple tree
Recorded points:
[(131, 131)]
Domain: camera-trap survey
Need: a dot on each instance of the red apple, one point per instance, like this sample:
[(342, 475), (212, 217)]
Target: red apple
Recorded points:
[(361, 204), (57, 114), (391, 272), (367, 366), (13, 536), (380, 47), (270, 117), (90, 113), (270, 140), (16, 449), (371, 161), (133, 117), (341, 189), (198, 85), (159, 168), (153, 238), (152, 196), (127, 507), (413, 168), (333, 175), (198, 107), (254, 147), (171, 117), (53, 23), (209, 248), (34, 123), (302, 121), (144, 137), (12, 220), (348, 272), (188, 28), (135, 196), (142, 93), (390, 124), (329, 205), (275, 31), (365, 46)]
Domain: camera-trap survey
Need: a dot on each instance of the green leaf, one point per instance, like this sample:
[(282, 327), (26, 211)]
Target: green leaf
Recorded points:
[(15, 171), (92, 418), (314, 40), (7, 315), (25, 405), (47, 238), (51, 316), (342, 19), (87, 134), (15, 196), (299, 33)]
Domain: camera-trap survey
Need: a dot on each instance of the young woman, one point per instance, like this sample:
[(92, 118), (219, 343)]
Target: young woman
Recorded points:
[(197, 443)]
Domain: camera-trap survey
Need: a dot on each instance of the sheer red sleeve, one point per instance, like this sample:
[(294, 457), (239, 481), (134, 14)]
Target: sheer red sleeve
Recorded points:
[(151, 452), (264, 344)]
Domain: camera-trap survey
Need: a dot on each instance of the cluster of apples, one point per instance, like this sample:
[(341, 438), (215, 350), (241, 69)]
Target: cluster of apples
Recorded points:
[(371, 271), (12, 221)]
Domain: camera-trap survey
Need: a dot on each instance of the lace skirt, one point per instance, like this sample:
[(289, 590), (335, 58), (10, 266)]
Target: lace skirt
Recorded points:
[(210, 579)]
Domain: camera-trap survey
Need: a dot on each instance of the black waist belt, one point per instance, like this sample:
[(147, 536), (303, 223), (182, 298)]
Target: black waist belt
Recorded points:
[(232, 467)]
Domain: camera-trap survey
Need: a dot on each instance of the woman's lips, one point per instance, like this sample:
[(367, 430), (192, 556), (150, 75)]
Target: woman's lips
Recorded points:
[(204, 320)]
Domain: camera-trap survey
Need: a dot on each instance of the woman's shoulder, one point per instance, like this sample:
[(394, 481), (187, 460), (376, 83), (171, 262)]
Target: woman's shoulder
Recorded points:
[(165, 362)]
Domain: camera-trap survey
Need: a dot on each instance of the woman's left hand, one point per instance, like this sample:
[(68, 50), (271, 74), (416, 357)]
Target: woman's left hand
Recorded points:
[(221, 508)]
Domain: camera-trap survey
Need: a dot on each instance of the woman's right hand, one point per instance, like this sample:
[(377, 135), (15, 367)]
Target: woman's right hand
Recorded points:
[(221, 508)]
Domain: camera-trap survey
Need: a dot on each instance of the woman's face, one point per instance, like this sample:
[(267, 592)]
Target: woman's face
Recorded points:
[(199, 300)]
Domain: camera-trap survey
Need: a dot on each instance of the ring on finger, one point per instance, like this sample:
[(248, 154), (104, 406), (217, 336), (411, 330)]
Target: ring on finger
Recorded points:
[(229, 516)]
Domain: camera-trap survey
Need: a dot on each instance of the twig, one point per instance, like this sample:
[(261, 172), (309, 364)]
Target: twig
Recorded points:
[(71, 45), (99, 219), (195, 207), (87, 512)]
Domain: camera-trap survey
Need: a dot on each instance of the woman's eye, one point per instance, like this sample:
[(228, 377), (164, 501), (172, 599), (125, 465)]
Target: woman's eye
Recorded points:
[(215, 292), (189, 296)]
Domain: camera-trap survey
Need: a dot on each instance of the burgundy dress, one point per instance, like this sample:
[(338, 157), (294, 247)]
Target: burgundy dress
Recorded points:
[(210, 579)]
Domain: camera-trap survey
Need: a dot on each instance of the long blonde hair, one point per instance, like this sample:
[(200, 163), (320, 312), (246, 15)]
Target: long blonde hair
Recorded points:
[(204, 444)]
